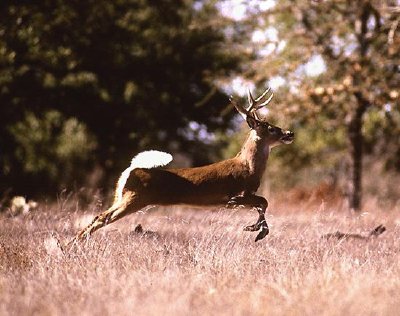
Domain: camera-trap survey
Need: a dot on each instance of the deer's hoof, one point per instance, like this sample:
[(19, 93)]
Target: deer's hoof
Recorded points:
[(264, 232)]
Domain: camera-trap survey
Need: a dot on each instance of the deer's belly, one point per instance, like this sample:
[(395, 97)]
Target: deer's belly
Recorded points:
[(192, 199)]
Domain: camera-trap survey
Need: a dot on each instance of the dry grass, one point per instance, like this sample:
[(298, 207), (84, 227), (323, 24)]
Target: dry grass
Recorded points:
[(201, 263)]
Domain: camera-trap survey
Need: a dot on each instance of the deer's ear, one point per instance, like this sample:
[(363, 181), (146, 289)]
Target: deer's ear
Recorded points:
[(251, 121)]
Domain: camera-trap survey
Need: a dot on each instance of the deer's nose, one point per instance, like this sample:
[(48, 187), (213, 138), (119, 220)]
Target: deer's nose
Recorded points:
[(289, 133)]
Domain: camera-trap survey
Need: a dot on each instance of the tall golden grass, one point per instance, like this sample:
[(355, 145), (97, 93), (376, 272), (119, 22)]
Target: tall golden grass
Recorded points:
[(200, 262)]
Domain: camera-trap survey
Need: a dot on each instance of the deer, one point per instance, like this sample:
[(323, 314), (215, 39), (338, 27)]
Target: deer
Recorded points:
[(232, 182)]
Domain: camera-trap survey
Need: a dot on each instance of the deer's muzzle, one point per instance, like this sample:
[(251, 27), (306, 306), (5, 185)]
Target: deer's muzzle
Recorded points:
[(287, 137)]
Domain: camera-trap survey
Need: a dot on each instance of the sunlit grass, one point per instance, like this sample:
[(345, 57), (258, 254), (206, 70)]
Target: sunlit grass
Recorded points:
[(200, 262)]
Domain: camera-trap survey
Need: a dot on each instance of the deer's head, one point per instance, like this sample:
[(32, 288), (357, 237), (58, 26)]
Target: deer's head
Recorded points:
[(273, 135)]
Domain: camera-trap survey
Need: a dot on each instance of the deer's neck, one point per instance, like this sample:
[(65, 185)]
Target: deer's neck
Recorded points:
[(254, 154)]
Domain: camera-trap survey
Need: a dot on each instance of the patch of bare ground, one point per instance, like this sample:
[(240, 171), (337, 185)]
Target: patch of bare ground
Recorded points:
[(191, 261)]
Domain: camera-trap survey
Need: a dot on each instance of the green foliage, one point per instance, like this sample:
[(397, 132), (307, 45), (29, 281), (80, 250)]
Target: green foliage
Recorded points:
[(51, 144), (125, 75)]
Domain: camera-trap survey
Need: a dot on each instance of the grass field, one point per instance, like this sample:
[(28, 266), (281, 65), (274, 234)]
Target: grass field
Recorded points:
[(201, 263)]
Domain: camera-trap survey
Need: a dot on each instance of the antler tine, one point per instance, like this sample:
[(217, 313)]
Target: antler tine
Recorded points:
[(265, 103), (256, 104), (256, 116), (263, 95), (252, 102), (242, 111)]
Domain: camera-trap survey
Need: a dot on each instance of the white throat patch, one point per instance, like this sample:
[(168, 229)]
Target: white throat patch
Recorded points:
[(254, 136)]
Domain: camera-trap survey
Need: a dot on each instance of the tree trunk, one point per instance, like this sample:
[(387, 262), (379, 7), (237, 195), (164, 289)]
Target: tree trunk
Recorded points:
[(355, 128), (356, 143)]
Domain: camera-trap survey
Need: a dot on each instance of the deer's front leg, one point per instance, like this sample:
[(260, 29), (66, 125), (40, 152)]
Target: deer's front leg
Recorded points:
[(260, 204)]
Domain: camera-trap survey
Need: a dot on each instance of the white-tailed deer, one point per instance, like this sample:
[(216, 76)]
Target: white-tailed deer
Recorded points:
[(232, 182)]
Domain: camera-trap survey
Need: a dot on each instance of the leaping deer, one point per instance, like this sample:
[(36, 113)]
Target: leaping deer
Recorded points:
[(232, 182)]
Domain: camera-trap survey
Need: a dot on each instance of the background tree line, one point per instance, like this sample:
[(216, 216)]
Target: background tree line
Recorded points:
[(91, 83), (84, 85)]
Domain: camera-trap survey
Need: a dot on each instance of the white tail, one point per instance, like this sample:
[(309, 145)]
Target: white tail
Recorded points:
[(151, 159), (147, 159)]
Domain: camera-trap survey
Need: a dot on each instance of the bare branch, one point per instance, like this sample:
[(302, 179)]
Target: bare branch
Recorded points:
[(392, 31)]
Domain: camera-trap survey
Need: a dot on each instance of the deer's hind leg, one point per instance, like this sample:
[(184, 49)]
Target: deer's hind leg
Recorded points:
[(129, 203)]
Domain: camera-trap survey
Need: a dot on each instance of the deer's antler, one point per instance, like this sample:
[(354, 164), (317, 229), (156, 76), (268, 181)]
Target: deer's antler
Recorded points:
[(254, 104)]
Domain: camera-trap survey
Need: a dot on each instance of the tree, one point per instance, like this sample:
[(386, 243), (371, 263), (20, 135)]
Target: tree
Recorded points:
[(357, 47), (127, 75)]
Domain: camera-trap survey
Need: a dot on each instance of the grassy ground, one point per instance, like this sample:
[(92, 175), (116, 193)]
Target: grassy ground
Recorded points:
[(201, 262)]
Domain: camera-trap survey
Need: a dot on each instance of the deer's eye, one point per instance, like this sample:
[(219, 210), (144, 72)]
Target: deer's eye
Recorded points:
[(271, 130)]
